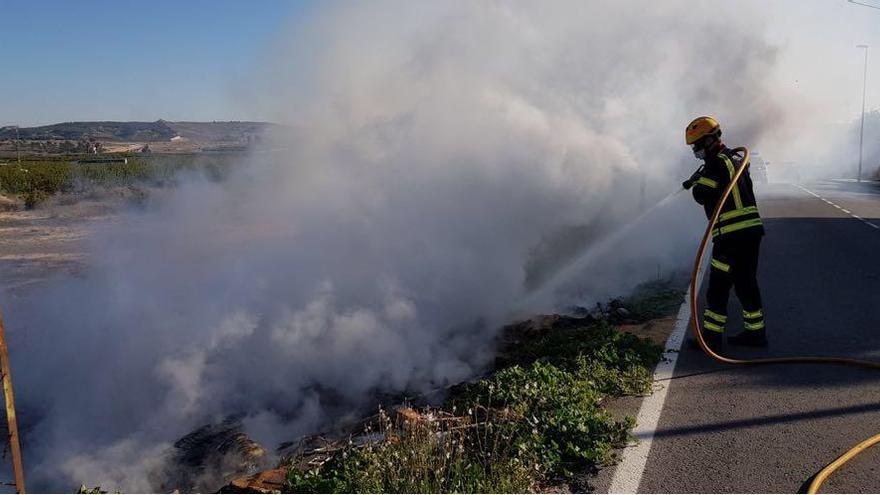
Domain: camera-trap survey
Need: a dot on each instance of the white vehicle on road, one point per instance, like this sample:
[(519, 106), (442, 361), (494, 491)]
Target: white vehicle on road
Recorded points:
[(758, 168)]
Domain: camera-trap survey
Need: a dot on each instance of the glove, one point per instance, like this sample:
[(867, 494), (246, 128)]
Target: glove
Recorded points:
[(694, 178)]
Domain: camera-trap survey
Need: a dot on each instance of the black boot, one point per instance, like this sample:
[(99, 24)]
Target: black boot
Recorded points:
[(749, 338), (715, 341)]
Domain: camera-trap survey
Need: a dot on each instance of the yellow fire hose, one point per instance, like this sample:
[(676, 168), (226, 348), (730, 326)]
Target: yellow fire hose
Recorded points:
[(695, 322)]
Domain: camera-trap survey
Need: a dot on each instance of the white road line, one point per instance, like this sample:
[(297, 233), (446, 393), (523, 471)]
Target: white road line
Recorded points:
[(628, 474), (870, 224)]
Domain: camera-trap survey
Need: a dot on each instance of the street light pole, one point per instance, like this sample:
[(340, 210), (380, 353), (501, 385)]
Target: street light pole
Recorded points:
[(864, 93)]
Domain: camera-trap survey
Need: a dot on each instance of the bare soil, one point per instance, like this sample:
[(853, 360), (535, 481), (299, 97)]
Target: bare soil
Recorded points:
[(657, 331), (36, 245)]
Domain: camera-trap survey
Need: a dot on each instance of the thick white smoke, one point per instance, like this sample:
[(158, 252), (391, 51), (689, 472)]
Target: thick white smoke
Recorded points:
[(432, 151)]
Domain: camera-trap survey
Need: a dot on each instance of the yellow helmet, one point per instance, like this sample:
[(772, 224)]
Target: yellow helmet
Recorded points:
[(701, 127)]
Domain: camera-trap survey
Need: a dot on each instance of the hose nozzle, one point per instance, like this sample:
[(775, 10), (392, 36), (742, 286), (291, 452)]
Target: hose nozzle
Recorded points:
[(694, 178)]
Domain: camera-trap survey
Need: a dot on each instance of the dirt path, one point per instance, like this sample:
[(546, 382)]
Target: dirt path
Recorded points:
[(38, 244)]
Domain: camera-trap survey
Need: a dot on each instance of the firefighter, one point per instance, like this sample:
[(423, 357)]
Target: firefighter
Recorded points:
[(736, 237)]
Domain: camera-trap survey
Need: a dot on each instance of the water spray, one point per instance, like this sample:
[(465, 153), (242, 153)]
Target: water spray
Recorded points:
[(589, 255)]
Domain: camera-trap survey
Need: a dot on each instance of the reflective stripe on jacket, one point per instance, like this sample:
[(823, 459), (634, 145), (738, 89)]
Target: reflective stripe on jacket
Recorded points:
[(740, 212)]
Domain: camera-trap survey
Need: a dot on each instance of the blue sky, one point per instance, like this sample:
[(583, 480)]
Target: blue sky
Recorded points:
[(63, 60), (131, 60)]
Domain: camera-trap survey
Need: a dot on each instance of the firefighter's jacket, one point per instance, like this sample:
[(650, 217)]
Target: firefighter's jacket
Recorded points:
[(739, 216)]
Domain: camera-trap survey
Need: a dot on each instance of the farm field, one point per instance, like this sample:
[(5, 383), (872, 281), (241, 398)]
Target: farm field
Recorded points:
[(49, 204)]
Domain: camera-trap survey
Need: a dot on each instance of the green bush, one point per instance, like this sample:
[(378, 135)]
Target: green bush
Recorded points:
[(83, 489), (560, 392), (37, 178), (541, 417), (619, 363), (48, 177), (34, 197), (654, 300), (425, 457)]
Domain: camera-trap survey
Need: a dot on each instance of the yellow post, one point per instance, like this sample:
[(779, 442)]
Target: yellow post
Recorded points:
[(12, 424)]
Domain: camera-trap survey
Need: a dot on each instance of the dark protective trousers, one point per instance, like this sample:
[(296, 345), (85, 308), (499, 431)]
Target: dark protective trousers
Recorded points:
[(734, 263)]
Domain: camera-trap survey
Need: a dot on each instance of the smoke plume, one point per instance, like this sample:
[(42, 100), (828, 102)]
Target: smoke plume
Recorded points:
[(433, 153)]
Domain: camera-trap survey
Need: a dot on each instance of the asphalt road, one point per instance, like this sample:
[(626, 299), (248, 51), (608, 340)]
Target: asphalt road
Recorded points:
[(771, 428)]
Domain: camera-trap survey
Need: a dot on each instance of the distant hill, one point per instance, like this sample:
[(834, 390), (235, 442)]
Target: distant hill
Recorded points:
[(157, 131), (218, 131)]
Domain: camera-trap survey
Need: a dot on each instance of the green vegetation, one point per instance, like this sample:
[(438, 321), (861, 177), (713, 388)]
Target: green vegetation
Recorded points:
[(558, 386), (90, 491), (539, 418), (653, 300), (38, 178), (470, 456)]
